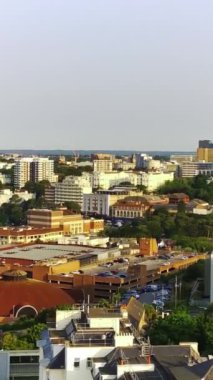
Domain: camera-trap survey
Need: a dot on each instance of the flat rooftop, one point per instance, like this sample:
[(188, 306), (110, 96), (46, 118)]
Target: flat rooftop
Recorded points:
[(40, 252), (104, 313)]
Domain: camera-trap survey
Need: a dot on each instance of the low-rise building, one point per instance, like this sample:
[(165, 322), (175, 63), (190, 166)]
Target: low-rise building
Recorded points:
[(136, 206), (19, 364), (130, 207), (176, 198), (7, 194), (26, 235), (71, 224)]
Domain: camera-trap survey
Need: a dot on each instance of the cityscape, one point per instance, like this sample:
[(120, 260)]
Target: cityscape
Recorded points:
[(106, 265), (106, 190)]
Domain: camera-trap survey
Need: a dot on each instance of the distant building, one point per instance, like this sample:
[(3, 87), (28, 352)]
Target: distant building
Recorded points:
[(5, 179), (130, 207), (176, 198), (105, 181), (153, 180), (205, 151), (33, 169), (101, 202), (7, 194), (72, 188), (191, 169), (142, 160)]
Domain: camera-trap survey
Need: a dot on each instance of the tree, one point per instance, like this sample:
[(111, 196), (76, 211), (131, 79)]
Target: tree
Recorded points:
[(34, 333), (12, 342), (178, 326), (73, 206)]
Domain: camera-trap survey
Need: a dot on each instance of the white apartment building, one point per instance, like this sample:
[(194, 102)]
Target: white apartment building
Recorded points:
[(72, 189), (5, 179), (6, 195), (43, 169), (34, 169), (106, 180), (22, 171), (86, 344), (152, 180)]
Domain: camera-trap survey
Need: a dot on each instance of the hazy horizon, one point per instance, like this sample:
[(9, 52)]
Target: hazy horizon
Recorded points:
[(106, 75)]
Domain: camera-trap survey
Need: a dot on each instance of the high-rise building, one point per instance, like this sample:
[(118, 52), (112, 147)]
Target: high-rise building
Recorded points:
[(33, 169), (205, 151), (22, 171)]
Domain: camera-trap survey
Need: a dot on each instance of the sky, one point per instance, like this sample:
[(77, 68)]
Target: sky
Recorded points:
[(106, 74)]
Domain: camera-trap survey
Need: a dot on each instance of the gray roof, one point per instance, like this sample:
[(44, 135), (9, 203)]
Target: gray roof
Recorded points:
[(58, 362), (39, 252)]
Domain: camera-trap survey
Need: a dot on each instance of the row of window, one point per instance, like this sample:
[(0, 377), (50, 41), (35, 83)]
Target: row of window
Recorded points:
[(77, 363)]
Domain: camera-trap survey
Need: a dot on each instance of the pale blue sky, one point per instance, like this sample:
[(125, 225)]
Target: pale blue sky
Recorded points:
[(106, 74)]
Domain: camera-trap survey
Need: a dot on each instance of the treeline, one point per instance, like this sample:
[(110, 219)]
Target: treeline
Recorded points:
[(180, 325), (188, 230), (64, 170), (196, 187)]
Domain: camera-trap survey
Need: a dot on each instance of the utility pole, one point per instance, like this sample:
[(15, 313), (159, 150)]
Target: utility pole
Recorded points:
[(180, 287), (176, 285)]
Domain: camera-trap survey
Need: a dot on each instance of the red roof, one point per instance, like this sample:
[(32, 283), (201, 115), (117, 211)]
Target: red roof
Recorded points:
[(35, 293)]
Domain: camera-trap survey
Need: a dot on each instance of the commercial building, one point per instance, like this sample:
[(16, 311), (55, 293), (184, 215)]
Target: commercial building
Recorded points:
[(33, 169), (26, 235), (70, 224), (205, 151), (83, 268), (25, 296), (72, 188), (191, 169)]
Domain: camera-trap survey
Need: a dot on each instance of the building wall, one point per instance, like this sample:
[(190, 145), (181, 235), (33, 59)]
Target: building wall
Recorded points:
[(72, 189), (205, 154), (102, 165), (148, 247), (33, 169), (82, 353)]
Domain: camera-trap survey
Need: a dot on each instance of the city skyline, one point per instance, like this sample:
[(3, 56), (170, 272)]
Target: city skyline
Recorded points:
[(106, 75)]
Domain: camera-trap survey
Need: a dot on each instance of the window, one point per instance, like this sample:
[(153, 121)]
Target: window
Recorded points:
[(76, 362), (89, 362)]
